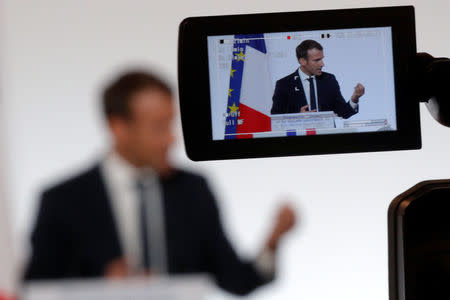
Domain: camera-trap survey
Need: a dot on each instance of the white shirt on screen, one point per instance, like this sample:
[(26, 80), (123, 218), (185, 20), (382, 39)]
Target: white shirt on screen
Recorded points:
[(305, 83)]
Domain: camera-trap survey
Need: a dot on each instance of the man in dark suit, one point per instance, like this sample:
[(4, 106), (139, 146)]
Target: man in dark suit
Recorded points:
[(133, 214), (310, 89)]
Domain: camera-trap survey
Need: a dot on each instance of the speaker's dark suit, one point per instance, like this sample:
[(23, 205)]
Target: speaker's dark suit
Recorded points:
[(75, 235), (289, 96)]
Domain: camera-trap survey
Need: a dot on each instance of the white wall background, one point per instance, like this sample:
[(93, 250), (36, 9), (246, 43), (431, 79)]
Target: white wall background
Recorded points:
[(57, 54)]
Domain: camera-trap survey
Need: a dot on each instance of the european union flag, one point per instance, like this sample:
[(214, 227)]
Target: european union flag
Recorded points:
[(242, 41)]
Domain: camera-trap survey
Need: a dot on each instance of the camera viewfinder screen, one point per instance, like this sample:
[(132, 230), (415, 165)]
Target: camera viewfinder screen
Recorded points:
[(302, 83)]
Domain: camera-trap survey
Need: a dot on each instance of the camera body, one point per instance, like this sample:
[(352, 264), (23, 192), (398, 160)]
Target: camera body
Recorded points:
[(433, 82), (419, 242), (242, 93)]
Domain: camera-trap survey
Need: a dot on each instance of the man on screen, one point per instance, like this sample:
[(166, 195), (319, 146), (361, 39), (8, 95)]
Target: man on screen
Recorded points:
[(133, 213), (309, 89)]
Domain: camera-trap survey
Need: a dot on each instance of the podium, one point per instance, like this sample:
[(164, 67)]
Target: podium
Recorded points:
[(306, 120), (324, 122), (185, 287)]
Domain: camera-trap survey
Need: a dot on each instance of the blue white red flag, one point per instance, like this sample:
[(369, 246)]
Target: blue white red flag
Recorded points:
[(250, 91)]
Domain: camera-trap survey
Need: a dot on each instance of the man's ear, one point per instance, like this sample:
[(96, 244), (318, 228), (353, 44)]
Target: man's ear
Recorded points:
[(118, 127), (302, 61)]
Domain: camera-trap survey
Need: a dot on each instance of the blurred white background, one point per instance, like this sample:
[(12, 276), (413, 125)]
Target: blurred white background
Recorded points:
[(56, 56)]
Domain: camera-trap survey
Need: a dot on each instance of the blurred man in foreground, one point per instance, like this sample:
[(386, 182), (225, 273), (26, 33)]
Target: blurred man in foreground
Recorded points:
[(133, 214)]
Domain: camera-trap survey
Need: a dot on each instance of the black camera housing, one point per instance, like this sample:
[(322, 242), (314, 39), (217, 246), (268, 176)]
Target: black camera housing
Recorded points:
[(195, 97), (419, 242)]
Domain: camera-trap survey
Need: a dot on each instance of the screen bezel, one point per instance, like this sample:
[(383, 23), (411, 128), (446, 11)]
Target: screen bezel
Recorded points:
[(194, 83)]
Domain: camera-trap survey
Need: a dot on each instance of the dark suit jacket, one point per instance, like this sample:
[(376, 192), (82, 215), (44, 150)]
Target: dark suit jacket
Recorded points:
[(289, 96), (75, 235)]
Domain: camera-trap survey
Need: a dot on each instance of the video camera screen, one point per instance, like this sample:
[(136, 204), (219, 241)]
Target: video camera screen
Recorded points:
[(267, 85), (298, 83)]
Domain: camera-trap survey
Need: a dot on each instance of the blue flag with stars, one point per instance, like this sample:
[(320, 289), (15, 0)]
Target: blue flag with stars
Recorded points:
[(237, 69)]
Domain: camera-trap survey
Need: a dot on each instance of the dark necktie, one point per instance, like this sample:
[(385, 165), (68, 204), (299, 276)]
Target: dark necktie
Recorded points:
[(143, 226), (312, 94), (151, 224)]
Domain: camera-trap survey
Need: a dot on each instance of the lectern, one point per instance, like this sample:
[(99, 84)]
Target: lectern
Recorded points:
[(191, 287)]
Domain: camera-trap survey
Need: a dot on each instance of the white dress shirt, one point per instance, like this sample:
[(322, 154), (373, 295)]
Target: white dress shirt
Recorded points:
[(120, 178), (305, 83)]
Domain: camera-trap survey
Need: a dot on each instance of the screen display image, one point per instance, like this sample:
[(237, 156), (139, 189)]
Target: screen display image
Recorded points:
[(263, 85)]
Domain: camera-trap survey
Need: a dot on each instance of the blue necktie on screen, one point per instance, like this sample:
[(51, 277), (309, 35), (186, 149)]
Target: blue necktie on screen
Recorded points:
[(312, 94)]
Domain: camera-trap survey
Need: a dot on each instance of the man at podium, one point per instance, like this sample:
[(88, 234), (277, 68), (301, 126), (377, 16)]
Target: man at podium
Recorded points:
[(309, 89), (133, 213)]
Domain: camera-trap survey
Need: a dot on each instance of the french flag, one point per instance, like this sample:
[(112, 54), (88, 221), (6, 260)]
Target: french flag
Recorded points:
[(250, 90)]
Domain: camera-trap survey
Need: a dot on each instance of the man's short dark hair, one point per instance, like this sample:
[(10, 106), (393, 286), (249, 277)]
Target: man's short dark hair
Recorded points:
[(117, 96), (302, 49)]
